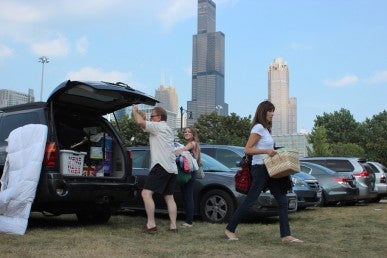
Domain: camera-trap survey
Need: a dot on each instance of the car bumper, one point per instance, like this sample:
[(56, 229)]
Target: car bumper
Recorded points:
[(381, 189), (308, 198), (267, 206), (365, 193)]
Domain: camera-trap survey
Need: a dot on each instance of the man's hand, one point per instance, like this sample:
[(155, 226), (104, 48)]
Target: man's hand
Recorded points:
[(140, 120), (135, 108)]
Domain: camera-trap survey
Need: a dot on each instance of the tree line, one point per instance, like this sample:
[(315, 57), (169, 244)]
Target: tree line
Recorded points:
[(333, 134)]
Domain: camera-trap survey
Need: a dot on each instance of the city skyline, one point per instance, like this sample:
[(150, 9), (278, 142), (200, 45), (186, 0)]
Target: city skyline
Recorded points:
[(336, 51)]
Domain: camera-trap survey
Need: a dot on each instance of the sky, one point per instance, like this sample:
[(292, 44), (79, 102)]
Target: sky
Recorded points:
[(336, 50)]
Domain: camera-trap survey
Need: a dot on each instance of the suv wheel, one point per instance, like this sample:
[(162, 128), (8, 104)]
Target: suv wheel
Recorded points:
[(216, 206), (98, 214)]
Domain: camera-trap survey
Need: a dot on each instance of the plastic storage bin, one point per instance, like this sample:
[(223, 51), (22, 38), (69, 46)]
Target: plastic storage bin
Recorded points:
[(71, 162)]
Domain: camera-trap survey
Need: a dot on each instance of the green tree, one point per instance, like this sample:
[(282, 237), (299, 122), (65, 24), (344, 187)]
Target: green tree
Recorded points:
[(374, 138), (319, 141), (340, 127), (130, 132), (229, 130), (347, 149)]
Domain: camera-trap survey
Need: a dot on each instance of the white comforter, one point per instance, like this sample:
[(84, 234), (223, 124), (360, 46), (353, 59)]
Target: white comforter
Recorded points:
[(21, 174)]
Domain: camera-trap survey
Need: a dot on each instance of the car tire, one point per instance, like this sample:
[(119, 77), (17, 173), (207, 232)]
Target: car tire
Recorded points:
[(217, 206), (323, 201), (99, 214), (376, 199)]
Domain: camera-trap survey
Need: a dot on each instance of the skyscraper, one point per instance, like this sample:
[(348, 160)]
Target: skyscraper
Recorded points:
[(285, 116), (169, 101), (207, 65), (168, 98)]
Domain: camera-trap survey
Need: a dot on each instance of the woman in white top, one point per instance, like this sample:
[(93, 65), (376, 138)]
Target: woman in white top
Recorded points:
[(259, 144)]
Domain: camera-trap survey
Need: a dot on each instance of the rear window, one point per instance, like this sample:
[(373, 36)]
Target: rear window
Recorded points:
[(11, 122), (368, 168), (141, 158), (373, 168), (340, 165)]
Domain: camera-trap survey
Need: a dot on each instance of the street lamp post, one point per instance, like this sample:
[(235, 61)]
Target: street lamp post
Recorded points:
[(181, 116), (43, 60)]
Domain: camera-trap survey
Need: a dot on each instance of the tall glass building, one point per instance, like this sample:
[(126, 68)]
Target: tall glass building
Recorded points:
[(207, 65), (285, 116)]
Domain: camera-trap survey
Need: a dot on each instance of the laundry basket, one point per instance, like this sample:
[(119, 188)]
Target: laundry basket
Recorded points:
[(71, 162)]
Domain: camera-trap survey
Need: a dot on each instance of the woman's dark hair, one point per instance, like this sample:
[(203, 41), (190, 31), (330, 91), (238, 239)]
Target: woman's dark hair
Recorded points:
[(261, 113)]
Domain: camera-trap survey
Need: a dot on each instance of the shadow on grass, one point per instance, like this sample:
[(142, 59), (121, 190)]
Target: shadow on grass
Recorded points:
[(38, 220)]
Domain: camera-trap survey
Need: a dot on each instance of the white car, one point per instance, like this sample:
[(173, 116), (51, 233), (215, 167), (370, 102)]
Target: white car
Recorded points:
[(380, 179)]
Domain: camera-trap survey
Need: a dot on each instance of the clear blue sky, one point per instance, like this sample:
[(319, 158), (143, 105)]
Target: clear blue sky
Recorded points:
[(336, 50)]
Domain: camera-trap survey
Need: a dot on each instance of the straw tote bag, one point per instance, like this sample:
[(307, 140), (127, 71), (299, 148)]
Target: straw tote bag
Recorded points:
[(284, 163)]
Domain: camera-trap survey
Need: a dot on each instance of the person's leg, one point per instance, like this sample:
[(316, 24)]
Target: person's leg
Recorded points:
[(172, 210), (260, 179), (282, 201), (147, 197), (188, 195), (156, 181), (277, 189), (169, 200)]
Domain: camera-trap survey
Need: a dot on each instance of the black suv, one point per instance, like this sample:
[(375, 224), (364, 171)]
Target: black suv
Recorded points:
[(76, 128)]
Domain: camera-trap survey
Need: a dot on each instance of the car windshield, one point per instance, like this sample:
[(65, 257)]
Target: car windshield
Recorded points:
[(212, 165)]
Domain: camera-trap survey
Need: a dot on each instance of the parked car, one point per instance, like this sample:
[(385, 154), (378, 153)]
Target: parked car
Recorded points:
[(380, 179), (228, 155), (214, 195), (304, 186), (337, 188), (365, 179), (77, 130), (307, 189)]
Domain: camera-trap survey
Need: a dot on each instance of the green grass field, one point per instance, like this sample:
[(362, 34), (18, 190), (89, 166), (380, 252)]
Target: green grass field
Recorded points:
[(350, 231)]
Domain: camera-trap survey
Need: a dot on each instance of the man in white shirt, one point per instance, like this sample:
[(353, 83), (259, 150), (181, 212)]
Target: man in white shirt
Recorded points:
[(163, 174)]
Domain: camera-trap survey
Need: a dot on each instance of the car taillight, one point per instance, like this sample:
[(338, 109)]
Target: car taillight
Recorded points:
[(340, 180), (130, 156), (364, 173), (383, 179), (50, 154)]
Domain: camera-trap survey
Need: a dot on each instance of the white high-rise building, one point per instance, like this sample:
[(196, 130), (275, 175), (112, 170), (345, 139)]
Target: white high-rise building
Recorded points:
[(168, 98), (169, 101), (11, 97), (285, 115)]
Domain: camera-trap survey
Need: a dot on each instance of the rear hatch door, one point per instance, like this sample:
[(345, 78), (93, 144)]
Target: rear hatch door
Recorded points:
[(98, 97)]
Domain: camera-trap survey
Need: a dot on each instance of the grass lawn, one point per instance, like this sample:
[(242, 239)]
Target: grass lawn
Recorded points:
[(349, 231)]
